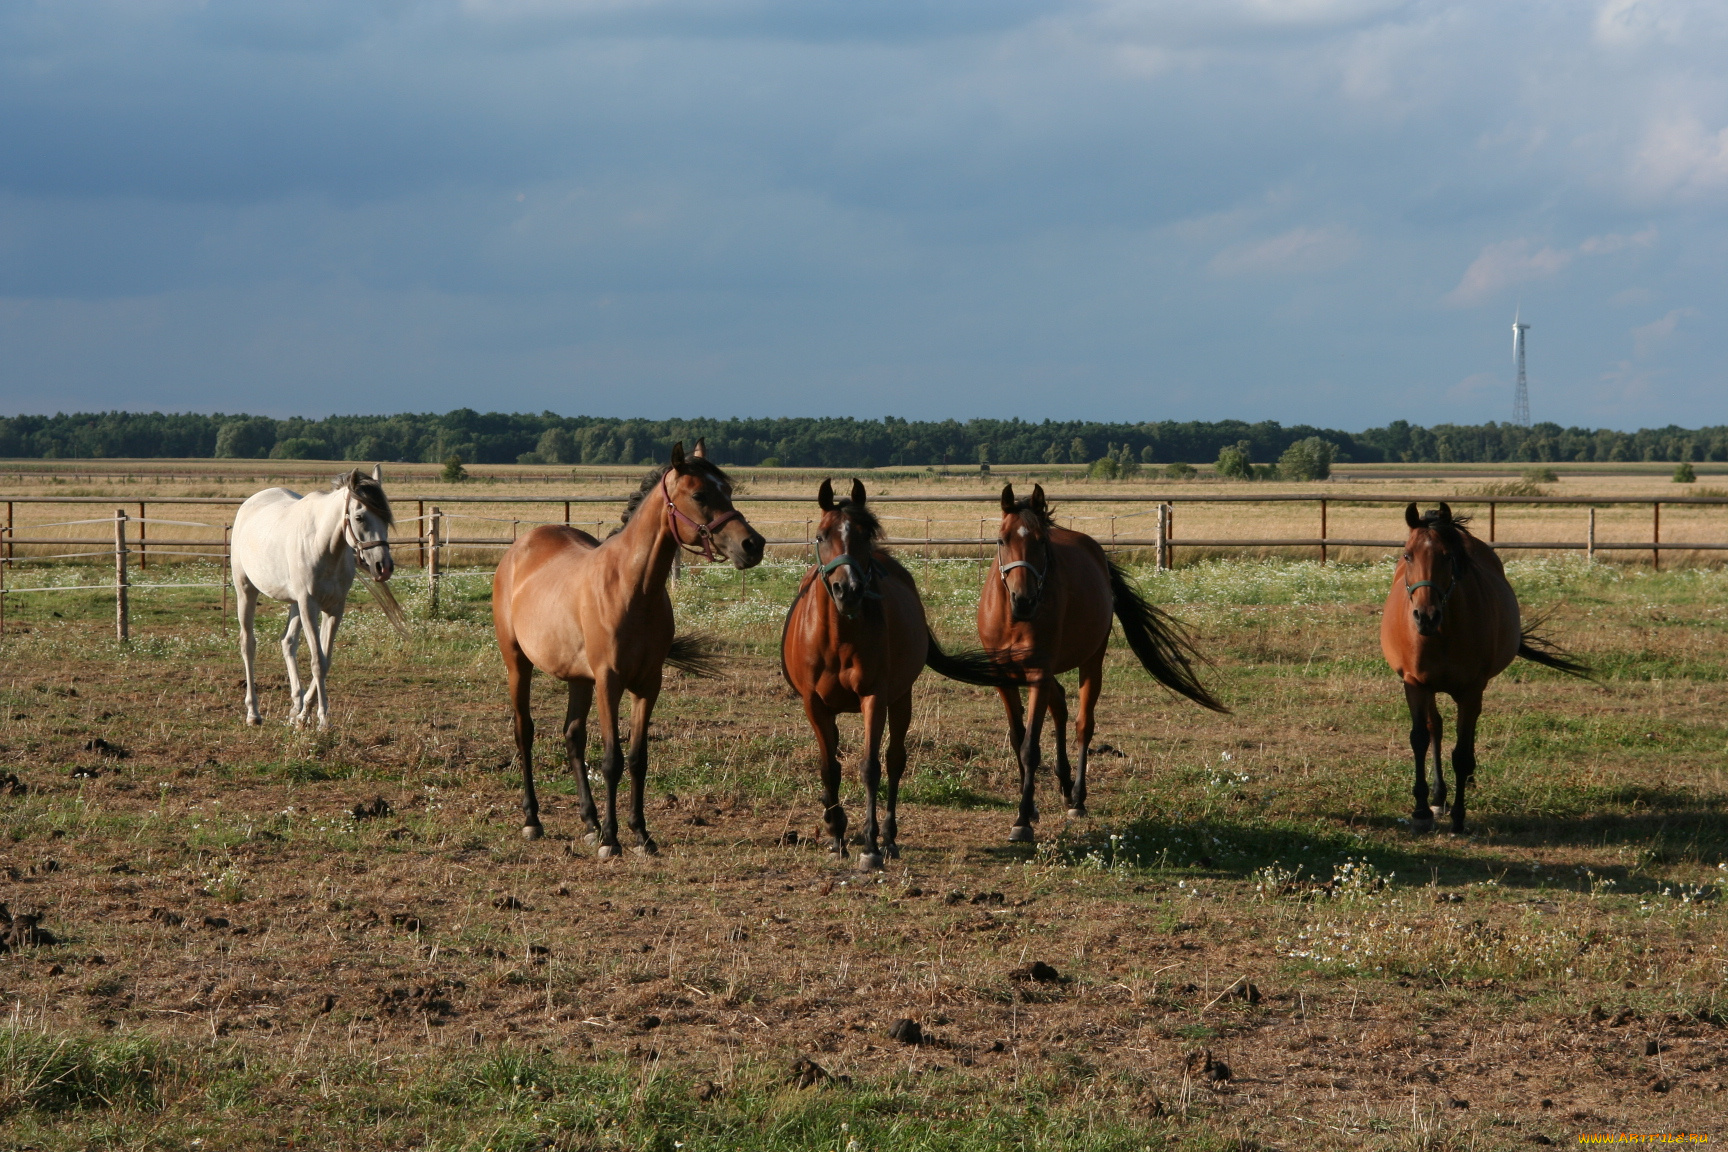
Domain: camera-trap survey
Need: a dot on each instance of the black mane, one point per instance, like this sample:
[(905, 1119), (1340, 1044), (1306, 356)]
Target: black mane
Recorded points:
[(1453, 534), (692, 464), (1046, 517), (861, 517)]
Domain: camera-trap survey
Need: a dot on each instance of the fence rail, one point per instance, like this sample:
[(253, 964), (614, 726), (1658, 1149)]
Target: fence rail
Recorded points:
[(431, 544)]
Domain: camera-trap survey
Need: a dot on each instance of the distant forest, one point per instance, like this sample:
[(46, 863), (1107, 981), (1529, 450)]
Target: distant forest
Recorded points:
[(510, 438)]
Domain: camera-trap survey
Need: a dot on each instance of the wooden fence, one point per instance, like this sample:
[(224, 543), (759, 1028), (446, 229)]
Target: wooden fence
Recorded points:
[(433, 539)]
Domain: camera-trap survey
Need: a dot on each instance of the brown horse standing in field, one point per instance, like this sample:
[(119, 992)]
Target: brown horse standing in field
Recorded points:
[(1450, 625), (597, 616), (1046, 606), (858, 646)]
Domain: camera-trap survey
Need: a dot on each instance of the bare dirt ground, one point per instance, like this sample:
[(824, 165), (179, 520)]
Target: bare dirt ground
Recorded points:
[(268, 938)]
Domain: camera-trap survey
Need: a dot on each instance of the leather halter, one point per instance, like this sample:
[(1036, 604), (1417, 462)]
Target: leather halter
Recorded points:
[(704, 532), (1440, 605), (866, 575), (1038, 573), (360, 547)]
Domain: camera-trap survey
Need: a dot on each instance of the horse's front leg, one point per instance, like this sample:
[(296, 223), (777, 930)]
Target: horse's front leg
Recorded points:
[(520, 671), (1464, 753), (246, 603), (639, 716), (870, 770), (1037, 696), (576, 747), (1420, 701), (326, 639), (899, 719), (291, 657), (828, 749), (1091, 684), (1437, 741), (609, 692), (1057, 702)]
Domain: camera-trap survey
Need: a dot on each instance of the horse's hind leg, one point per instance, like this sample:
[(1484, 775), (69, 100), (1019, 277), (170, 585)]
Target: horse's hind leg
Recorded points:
[(1464, 753), (609, 691), (1059, 735), (870, 769), (828, 748), (1091, 684), (639, 717), (246, 605), (899, 719), (576, 748), (291, 657), (520, 671), (321, 663), (1420, 701)]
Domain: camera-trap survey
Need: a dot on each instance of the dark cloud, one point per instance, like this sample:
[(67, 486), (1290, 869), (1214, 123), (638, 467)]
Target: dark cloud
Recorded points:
[(1304, 209)]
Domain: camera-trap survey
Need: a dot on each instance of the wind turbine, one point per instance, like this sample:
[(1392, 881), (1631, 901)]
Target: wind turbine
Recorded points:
[(1520, 394)]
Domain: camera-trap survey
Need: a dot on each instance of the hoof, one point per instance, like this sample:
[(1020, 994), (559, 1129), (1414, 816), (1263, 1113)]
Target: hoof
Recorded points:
[(591, 839), (1418, 824), (530, 831), (837, 850), (1077, 813), (892, 851), (869, 861), (647, 848), (1021, 834), (254, 721), (607, 852)]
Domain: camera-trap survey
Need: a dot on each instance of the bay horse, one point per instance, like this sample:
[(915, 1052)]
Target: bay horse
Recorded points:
[(597, 616), (1451, 624), (1046, 605), (858, 646), (303, 550)]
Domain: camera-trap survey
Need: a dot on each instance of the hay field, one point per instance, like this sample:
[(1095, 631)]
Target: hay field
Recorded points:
[(1250, 949)]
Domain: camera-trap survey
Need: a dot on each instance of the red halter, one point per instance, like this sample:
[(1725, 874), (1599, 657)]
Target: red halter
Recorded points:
[(704, 532)]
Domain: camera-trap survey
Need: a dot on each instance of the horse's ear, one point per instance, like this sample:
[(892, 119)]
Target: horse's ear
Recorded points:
[(1411, 516), (825, 496), (352, 480), (378, 473), (858, 492), (1038, 504), (1007, 497), (701, 449), (678, 454), (1445, 511)]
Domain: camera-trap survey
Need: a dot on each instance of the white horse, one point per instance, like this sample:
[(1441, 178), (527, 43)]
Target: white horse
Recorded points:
[(302, 549)]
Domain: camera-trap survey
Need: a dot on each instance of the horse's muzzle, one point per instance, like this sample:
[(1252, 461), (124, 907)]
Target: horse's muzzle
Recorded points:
[(848, 598), (1427, 623), (746, 550)]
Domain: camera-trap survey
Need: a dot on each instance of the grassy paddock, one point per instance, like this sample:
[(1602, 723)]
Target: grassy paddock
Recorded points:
[(242, 962)]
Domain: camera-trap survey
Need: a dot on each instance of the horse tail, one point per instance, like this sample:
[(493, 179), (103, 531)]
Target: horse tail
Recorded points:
[(972, 667), (695, 655), (1541, 650), (1160, 642)]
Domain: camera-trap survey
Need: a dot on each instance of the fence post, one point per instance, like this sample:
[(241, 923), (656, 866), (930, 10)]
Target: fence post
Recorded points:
[(143, 532), (122, 625), (3, 566), (421, 512), (1158, 540), (1656, 537), (1322, 533), (1491, 507), (431, 547), (566, 512), (1590, 538), (227, 566)]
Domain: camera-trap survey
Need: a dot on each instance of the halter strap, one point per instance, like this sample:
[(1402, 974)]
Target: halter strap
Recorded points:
[(866, 573), (704, 532), (1038, 573), (352, 537)]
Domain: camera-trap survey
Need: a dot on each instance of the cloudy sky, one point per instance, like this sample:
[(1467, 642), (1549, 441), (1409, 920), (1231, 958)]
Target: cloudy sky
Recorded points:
[(1303, 210)]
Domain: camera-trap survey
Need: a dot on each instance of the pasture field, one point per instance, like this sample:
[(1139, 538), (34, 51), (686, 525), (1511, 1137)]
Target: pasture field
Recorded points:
[(246, 963)]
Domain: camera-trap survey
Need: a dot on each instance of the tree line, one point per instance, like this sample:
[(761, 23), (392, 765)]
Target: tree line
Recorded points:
[(821, 442)]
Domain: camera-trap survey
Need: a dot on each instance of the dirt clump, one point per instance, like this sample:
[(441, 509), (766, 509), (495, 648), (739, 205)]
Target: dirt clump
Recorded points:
[(906, 1031), (1037, 972), (376, 809), (20, 930)]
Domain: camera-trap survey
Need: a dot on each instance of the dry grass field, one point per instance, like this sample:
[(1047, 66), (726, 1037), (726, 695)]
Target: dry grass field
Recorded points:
[(1244, 946)]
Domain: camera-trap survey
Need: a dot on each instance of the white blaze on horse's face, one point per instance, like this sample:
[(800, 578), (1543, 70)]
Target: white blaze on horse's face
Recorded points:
[(1022, 556)]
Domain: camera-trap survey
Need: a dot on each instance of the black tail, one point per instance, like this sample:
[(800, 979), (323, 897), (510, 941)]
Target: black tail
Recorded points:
[(1160, 642), (972, 667), (1543, 651), (695, 656)]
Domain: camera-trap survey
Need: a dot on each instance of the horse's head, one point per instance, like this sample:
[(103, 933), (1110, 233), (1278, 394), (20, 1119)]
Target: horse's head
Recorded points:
[(366, 520), (1435, 559), (845, 544), (698, 499), (1023, 550)]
